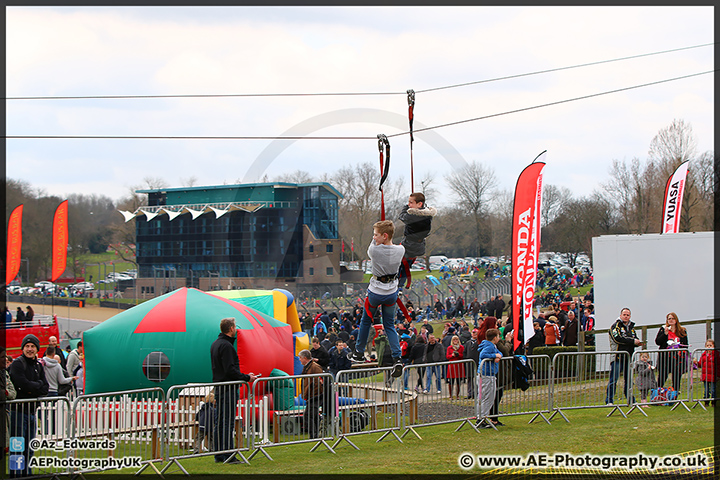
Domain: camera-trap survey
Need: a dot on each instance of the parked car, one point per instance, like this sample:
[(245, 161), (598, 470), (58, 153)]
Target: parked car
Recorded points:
[(117, 277), (83, 286)]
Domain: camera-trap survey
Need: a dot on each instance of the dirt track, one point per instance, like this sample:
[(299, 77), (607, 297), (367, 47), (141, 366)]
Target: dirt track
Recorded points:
[(91, 312)]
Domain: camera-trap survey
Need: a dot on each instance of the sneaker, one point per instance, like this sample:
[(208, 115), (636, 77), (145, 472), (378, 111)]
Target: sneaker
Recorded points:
[(439, 392), (418, 390), (425, 392), (396, 368), (356, 357)]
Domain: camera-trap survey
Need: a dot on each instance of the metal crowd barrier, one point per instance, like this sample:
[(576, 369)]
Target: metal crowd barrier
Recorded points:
[(277, 418), (535, 400), (668, 366), (191, 427), (700, 390), (584, 380), (36, 429), (367, 401), (429, 404), (126, 426)]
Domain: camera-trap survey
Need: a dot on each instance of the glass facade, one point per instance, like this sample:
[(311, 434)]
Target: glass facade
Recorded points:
[(267, 243)]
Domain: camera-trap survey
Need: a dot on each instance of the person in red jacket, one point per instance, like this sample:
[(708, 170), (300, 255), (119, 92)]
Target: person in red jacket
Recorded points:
[(455, 373), (709, 364)]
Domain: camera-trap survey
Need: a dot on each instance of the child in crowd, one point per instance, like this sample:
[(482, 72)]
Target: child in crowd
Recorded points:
[(644, 376), (709, 364), (488, 373), (205, 417), (382, 292)]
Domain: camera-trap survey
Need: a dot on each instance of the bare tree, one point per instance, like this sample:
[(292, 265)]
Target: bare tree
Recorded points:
[(360, 206), (472, 186), (191, 181), (298, 176), (155, 182), (553, 202), (672, 146), (636, 192)]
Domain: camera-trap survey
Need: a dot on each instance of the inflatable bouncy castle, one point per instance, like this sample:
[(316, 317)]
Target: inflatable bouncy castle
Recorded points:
[(166, 341)]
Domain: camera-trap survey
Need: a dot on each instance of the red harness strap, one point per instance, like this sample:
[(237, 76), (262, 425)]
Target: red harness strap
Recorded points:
[(403, 309), (406, 263), (369, 308)]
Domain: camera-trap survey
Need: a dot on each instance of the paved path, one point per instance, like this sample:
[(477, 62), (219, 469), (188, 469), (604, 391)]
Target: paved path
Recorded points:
[(72, 320)]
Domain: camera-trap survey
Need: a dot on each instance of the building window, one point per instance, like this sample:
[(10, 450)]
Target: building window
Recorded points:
[(311, 249), (311, 271), (329, 271), (156, 366), (328, 248)]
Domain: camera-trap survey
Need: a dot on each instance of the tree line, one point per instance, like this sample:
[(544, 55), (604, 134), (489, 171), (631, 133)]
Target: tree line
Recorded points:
[(476, 222)]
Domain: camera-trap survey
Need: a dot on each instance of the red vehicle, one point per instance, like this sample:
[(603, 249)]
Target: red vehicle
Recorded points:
[(43, 327)]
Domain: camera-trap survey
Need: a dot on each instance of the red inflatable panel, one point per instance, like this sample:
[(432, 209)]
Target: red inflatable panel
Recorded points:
[(264, 348)]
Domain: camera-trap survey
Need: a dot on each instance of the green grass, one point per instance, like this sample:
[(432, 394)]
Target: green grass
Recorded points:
[(589, 431)]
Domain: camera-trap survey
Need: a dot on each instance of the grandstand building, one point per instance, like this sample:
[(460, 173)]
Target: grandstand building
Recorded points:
[(261, 235)]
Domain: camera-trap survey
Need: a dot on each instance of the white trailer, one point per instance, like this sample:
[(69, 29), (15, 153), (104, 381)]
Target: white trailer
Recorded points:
[(653, 275)]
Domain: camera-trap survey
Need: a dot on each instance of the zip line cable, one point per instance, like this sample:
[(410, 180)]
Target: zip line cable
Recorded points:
[(584, 97), (138, 137), (560, 68), (348, 94)]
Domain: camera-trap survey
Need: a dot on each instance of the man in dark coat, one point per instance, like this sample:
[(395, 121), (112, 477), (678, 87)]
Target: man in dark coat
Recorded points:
[(226, 368), (470, 350), (312, 392), (28, 377), (499, 306), (570, 332)]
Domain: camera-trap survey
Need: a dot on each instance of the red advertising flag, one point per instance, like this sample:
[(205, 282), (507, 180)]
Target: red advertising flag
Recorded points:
[(674, 190), (342, 246), (352, 244), (14, 244), (60, 241), (525, 248)]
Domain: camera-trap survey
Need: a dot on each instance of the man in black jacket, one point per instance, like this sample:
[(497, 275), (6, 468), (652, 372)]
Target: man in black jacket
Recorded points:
[(28, 376), (470, 350), (623, 339), (226, 368)]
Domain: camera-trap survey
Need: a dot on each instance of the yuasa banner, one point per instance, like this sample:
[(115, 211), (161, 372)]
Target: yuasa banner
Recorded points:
[(673, 199), (60, 241), (525, 248), (14, 244)]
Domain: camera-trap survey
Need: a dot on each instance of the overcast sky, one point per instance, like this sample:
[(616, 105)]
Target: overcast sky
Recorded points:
[(71, 51)]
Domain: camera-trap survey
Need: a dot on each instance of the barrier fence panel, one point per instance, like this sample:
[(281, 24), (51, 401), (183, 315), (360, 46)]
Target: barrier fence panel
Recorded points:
[(431, 404), (38, 430), (703, 377), (281, 415), (196, 416), (510, 399), (119, 429), (589, 380), (368, 401), (652, 370)]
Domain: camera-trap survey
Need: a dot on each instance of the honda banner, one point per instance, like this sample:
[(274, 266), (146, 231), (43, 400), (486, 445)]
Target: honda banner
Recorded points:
[(525, 249)]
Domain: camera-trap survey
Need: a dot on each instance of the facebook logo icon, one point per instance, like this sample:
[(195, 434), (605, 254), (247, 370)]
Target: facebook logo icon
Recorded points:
[(17, 444), (17, 462)]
